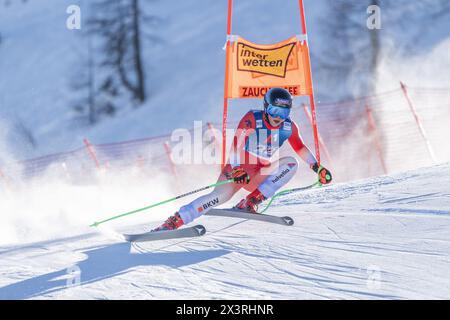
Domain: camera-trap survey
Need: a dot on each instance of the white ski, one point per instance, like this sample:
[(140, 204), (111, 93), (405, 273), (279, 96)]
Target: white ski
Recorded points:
[(195, 231), (233, 213)]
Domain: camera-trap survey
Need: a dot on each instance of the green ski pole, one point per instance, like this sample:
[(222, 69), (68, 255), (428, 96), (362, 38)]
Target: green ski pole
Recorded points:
[(285, 192), (95, 224)]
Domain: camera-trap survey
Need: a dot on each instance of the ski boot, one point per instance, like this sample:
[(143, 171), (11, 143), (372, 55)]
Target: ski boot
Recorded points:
[(172, 223), (251, 202)]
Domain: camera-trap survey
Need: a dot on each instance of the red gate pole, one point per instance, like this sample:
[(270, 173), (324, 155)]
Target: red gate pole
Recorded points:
[(225, 91), (322, 144), (7, 181), (373, 128), (169, 156), (216, 138), (91, 152), (311, 96), (419, 123), (173, 167)]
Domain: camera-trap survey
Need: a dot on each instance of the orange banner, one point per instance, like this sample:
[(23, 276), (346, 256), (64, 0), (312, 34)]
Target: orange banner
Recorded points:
[(254, 69)]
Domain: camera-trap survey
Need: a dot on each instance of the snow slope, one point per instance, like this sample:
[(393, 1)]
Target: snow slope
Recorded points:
[(185, 67), (387, 237), (39, 58)]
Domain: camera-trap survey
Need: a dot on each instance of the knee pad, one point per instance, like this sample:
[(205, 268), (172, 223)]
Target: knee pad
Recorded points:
[(192, 211), (286, 169), (291, 162), (202, 205)]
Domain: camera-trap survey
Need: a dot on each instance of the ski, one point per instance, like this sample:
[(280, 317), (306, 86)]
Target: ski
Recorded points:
[(285, 221), (195, 231)]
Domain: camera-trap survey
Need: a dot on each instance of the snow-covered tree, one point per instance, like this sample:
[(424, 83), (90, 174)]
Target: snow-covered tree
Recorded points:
[(353, 52), (112, 71), (117, 25)]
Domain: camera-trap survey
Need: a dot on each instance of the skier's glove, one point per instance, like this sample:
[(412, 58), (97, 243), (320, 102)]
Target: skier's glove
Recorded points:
[(239, 175), (323, 173)]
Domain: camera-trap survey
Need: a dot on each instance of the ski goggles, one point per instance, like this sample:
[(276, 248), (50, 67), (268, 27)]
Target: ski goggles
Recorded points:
[(278, 112)]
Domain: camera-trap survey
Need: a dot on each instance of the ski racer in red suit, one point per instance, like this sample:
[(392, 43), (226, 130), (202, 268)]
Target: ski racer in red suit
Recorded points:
[(259, 135)]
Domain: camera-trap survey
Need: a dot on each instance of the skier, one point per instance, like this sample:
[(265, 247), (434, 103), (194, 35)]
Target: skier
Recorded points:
[(259, 135)]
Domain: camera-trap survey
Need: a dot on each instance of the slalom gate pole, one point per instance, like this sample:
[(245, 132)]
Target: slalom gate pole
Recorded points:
[(419, 123), (288, 191), (226, 84), (95, 224)]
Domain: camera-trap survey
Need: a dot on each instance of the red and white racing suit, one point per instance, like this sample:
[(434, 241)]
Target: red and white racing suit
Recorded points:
[(254, 145)]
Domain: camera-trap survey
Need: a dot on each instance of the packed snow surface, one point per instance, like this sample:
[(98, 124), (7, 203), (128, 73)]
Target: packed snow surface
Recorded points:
[(382, 238)]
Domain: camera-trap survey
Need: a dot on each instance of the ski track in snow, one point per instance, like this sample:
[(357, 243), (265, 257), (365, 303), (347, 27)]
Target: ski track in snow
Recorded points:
[(382, 238)]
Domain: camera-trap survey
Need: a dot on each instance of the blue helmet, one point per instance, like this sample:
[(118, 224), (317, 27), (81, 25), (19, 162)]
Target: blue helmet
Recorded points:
[(278, 103), (278, 97)]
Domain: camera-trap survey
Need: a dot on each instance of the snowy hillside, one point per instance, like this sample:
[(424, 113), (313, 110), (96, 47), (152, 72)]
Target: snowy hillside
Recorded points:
[(185, 67), (39, 57), (384, 237), (387, 237)]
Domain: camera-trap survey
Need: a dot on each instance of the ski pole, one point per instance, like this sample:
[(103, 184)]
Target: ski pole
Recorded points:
[(285, 192), (95, 224)]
